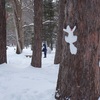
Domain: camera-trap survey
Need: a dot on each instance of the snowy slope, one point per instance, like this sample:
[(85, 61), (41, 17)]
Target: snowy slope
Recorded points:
[(20, 81)]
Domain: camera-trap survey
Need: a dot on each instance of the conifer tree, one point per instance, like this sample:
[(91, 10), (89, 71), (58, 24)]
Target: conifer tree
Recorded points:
[(37, 40), (78, 77), (59, 44), (49, 24)]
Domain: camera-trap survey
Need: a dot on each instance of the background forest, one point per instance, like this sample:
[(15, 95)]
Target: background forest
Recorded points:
[(50, 16)]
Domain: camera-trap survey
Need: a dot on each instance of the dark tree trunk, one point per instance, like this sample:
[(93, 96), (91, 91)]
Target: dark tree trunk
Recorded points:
[(79, 74), (2, 32), (37, 44), (58, 54)]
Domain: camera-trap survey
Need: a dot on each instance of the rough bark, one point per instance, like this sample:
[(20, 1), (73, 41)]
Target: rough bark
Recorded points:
[(79, 74), (2, 32), (99, 60), (37, 44), (58, 53)]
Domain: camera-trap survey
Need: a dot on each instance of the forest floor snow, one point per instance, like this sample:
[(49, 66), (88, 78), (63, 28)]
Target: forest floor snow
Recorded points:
[(20, 81)]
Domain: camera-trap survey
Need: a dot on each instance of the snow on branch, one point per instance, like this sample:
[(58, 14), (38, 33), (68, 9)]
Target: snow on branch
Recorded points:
[(32, 24), (48, 21)]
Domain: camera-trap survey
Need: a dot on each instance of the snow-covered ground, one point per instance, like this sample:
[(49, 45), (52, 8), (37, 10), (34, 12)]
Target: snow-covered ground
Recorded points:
[(20, 81)]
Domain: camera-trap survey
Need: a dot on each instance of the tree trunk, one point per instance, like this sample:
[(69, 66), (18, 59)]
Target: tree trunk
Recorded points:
[(2, 32), (79, 73), (58, 54), (37, 44), (99, 59), (18, 21)]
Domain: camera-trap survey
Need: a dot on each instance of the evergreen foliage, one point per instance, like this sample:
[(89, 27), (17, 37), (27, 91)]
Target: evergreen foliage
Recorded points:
[(49, 23)]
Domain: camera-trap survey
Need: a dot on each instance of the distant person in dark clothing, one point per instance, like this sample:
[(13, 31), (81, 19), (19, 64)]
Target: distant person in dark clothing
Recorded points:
[(44, 50)]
